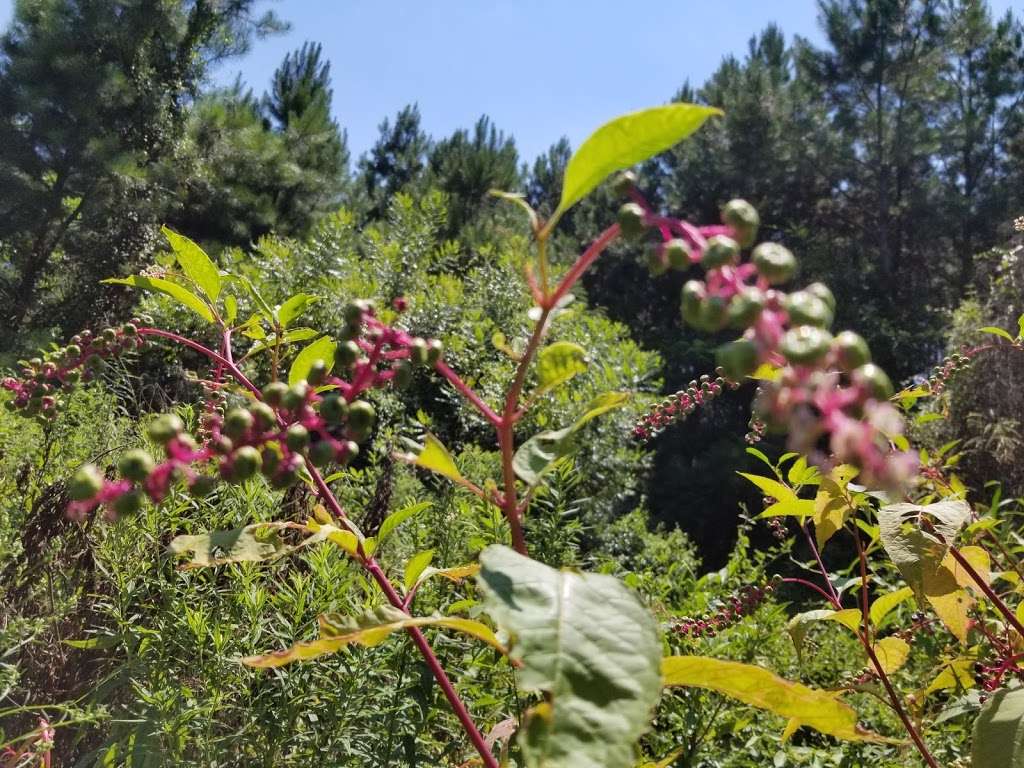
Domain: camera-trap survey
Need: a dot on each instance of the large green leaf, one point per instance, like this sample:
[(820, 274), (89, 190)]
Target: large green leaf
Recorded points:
[(999, 732), (758, 687), (369, 629), (321, 349), (182, 295), (294, 307), (199, 268), (538, 455), (558, 363), (251, 543), (626, 141), (589, 645)]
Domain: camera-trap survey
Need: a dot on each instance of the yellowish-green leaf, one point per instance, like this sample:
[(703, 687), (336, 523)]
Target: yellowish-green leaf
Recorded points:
[(250, 543), (666, 761), (337, 632), (997, 332), (625, 141), (345, 539), (772, 488), (559, 362), (436, 458), (892, 653), (194, 262), (416, 565), (957, 674), (886, 603), (766, 372), (182, 295), (294, 307), (230, 309), (799, 625), (790, 508), (979, 561), (950, 602), (395, 519), (321, 349), (758, 687), (832, 505)]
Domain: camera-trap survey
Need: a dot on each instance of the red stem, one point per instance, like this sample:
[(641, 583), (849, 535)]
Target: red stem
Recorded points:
[(582, 264), (989, 592), (467, 392), (815, 587)]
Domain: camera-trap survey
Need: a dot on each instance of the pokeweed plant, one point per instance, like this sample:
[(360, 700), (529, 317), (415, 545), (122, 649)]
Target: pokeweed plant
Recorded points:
[(583, 646)]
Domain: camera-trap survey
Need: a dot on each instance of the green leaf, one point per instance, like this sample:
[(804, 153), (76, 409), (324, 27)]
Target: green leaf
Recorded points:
[(538, 455), (790, 507), (345, 539), (1020, 326), (773, 488), (416, 565), (799, 624), (395, 519), (999, 732), (589, 645), (456, 573), (997, 332), (558, 363), (321, 349), (251, 543), (290, 337), (195, 263), (230, 309), (293, 307), (183, 296), (758, 687), (626, 141), (369, 629), (99, 642), (434, 457)]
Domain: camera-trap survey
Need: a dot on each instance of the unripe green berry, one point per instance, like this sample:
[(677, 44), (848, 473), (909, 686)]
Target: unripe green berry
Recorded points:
[(347, 353), (804, 308), (745, 307), (202, 485), (296, 396), (284, 479), (738, 359), (624, 183), (317, 373), (851, 350), (631, 220), (86, 483), (744, 219), (361, 418), (165, 428), (136, 465), (403, 374), (874, 380), (713, 313), (245, 463), (349, 451), (130, 502), (271, 456), (333, 408), (823, 292), (719, 251), (435, 349), (72, 351), (677, 253), (274, 392), (691, 298), (774, 262), (656, 262), (297, 437), (237, 422), (322, 453), (805, 345), (418, 351), (263, 415), (129, 329)]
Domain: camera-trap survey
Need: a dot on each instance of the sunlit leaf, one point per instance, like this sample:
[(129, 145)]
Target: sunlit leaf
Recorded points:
[(589, 645), (395, 519), (626, 141), (892, 653), (345, 539), (369, 629), (773, 488), (251, 543), (182, 295), (321, 349), (194, 262), (758, 687), (997, 332), (558, 363), (294, 307), (957, 674), (435, 457), (999, 732), (230, 309), (883, 605), (416, 565)]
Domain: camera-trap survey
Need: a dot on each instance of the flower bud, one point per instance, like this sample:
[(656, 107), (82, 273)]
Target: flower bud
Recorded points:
[(656, 261), (202, 485), (823, 292), (297, 437), (403, 374), (713, 314), (631, 220), (418, 351)]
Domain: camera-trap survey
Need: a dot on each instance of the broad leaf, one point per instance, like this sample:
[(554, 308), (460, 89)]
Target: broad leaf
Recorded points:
[(538, 455), (195, 263), (626, 141), (251, 543), (395, 519), (886, 603), (417, 564), (294, 307), (558, 363), (799, 625), (997, 332), (957, 674), (345, 539), (369, 629), (321, 349), (999, 732), (589, 645), (435, 457), (773, 488), (832, 504), (182, 295), (892, 653), (758, 687)]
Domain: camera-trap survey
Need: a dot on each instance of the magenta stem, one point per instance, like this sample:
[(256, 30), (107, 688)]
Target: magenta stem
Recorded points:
[(582, 264), (815, 587), (989, 592), (467, 392)]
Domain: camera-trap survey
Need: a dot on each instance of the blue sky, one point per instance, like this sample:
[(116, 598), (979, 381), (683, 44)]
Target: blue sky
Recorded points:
[(540, 68)]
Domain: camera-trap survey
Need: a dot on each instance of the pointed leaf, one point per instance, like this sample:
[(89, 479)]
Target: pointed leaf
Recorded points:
[(183, 296), (626, 141), (773, 488), (294, 307), (957, 674), (395, 519), (195, 263), (886, 603), (758, 687), (436, 458), (997, 332), (338, 631), (558, 363), (892, 653), (416, 565), (321, 349), (589, 645), (251, 543)]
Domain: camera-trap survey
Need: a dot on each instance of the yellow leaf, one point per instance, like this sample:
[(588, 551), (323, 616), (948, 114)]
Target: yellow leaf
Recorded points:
[(886, 603), (772, 488), (950, 603), (758, 687), (957, 674), (831, 505), (347, 540), (980, 562), (892, 653), (851, 618), (435, 457)]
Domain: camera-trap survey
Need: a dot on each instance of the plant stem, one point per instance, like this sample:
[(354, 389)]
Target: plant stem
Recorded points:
[(989, 592), (368, 563), (467, 392)]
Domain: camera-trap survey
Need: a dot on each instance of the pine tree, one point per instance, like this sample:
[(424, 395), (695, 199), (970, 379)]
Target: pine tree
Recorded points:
[(397, 160)]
